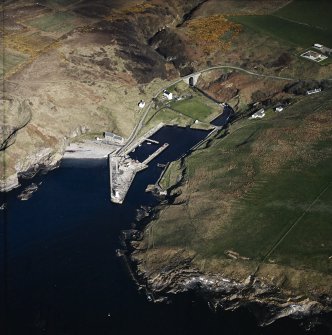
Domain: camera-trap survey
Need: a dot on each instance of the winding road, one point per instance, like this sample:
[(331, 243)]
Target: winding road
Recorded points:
[(140, 124)]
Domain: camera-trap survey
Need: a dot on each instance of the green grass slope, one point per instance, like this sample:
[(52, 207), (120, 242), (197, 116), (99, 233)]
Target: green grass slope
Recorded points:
[(298, 34), (312, 12), (263, 192), (301, 23)]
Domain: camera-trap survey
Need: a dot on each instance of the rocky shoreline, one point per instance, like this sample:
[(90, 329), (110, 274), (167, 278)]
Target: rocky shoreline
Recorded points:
[(267, 302), (48, 159), (44, 160)]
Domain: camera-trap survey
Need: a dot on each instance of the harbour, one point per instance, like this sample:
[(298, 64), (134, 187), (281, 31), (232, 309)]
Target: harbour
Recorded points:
[(127, 159), (126, 162)]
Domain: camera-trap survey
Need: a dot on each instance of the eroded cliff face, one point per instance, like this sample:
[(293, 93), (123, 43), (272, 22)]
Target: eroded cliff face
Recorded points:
[(175, 271), (76, 69), (16, 115)]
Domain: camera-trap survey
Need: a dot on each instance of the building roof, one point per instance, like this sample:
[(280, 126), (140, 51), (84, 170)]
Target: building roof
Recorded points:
[(141, 103), (116, 137), (316, 90), (259, 113)]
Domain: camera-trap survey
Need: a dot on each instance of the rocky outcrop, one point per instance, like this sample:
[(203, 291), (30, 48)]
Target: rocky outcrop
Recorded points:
[(45, 159), (15, 114), (267, 302)]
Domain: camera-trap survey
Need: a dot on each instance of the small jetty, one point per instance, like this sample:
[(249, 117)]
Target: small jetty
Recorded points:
[(122, 173), (144, 138), (152, 141), (155, 154)]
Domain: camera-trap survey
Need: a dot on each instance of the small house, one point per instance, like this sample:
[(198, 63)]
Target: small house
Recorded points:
[(141, 104), (259, 114), (318, 46), (316, 90), (279, 109), (168, 95), (113, 138)]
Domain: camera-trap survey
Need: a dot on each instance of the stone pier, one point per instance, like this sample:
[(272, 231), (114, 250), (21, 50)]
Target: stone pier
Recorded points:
[(122, 173)]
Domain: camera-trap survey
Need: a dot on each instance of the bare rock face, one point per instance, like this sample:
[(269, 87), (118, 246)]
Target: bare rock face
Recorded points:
[(15, 114), (8, 183), (172, 272)]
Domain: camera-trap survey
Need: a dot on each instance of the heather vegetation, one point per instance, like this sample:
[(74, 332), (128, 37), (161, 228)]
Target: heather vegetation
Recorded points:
[(213, 33)]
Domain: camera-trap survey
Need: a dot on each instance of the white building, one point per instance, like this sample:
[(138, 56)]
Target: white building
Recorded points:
[(314, 56), (141, 104), (113, 138), (279, 109), (168, 95), (259, 114), (316, 90), (318, 46)]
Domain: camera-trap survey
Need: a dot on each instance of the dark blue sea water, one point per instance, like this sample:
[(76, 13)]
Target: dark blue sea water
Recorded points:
[(224, 117), (59, 271)]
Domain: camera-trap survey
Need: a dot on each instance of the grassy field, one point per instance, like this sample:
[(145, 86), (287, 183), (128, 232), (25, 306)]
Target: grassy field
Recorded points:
[(258, 192), (171, 175), (57, 22), (270, 209), (30, 44), (183, 112), (288, 31), (312, 12), (195, 108), (9, 60), (168, 116), (60, 2), (308, 240)]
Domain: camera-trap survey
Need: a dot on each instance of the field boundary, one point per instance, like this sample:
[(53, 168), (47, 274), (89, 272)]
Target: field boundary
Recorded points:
[(284, 235)]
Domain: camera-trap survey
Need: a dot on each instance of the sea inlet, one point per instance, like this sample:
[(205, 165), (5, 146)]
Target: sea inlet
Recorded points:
[(59, 273)]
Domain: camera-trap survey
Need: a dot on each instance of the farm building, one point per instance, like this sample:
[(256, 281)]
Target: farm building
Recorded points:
[(323, 49), (113, 138), (316, 90), (168, 95), (141, 104), (314, 56), (259, 114)]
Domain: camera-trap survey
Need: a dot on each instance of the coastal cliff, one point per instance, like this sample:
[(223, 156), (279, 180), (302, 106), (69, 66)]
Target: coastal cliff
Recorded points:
[(267, 301)]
